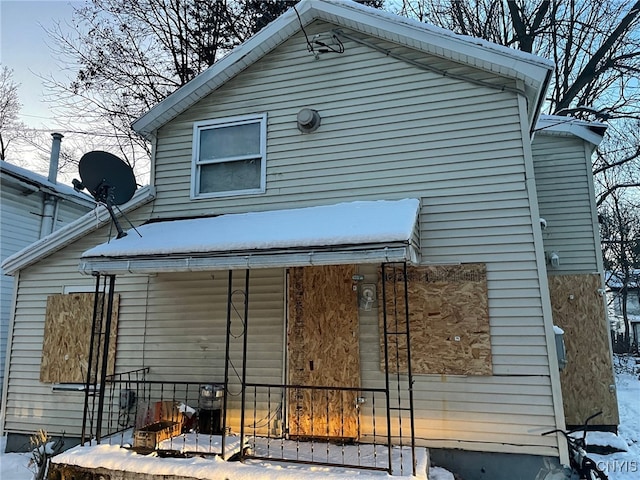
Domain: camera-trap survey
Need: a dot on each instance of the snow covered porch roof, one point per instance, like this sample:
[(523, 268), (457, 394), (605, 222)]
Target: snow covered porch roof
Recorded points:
[(354, 232)]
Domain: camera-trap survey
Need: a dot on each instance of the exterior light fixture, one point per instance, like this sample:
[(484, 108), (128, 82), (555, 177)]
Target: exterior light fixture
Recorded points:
[(554, 259)]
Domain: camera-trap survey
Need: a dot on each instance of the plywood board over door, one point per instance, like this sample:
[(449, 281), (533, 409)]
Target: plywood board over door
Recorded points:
[(588, 385), (323, 350)]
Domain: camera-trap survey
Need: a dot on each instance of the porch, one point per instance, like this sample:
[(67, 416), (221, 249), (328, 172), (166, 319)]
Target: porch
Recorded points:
[(116, 463), (346, 427), (343, 428), (319, 411)]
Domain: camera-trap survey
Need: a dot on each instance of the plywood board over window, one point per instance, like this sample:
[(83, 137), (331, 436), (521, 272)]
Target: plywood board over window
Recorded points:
[(448, 320), (67, 335)]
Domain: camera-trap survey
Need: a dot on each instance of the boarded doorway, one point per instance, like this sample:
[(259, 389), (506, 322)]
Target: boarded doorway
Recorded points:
[(587, 381), (323, 346)]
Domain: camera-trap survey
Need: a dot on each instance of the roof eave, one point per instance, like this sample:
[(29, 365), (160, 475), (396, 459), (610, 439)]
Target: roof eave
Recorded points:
[(237, 60), (70, 233), (556, 124), (30, 183), (532, 70)]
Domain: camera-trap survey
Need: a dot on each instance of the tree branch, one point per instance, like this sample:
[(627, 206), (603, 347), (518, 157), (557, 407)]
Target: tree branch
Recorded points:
[(588, 72), (603, 196)]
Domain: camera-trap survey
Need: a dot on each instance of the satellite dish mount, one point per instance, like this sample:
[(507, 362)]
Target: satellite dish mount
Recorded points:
[(109, 180)]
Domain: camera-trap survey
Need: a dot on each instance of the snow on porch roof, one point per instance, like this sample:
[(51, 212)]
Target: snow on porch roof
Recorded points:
[(358, 232)]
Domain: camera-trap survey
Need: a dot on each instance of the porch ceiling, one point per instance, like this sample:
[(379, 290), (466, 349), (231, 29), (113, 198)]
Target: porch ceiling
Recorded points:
[(354, 232)]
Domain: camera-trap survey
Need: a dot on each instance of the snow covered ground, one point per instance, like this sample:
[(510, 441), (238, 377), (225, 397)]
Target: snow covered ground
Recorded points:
[(618, 466), (624, 465)]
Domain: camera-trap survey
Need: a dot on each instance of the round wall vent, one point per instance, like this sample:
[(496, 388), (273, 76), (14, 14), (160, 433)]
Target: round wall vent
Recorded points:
[(308, 120)]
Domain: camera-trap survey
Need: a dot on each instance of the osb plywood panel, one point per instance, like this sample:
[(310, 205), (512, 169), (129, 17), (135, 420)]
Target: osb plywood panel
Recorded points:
[(586, 381), (323, 343), (448, 319), (67, 334)]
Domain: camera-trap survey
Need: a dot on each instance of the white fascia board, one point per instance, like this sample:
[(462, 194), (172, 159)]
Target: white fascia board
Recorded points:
[(70, 233), (557, 124), (532, 70), (434, 40), (251, 260)]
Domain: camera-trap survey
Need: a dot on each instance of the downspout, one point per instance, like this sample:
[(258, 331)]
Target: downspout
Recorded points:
[(49, 201)]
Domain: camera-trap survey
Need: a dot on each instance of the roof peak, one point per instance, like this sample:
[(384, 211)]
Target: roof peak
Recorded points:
[(532, 71)]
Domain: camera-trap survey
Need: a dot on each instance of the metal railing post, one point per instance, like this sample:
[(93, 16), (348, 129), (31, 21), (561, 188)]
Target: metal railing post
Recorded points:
[(105, 357), (244, 362), (90, 359)]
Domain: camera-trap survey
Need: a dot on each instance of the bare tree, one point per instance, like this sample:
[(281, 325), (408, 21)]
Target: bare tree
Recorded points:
[(9, 109), (620, 232), (616, 167), (128, 56)]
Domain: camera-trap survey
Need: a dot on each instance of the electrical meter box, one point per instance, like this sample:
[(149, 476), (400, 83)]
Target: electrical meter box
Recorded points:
[(560, 350)]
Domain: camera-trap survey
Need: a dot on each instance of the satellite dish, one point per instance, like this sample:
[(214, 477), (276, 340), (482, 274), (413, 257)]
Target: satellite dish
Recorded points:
[(108, 179)]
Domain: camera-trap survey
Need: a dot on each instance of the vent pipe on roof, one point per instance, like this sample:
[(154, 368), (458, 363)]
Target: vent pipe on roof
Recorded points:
[(49, 203), (55, 157)]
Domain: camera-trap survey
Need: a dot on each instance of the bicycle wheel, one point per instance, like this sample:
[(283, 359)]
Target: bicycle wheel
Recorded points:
[(595, 475), (590, 471)]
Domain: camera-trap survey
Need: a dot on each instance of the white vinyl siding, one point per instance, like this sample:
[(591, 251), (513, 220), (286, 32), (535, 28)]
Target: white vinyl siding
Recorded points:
[(32, 405), (373, 109), (21, 217), (563, 174), (390, 130), (185, 329), (67, 211)]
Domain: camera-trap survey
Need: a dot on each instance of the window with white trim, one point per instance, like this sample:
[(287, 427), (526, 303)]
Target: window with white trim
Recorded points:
[(229, 156)]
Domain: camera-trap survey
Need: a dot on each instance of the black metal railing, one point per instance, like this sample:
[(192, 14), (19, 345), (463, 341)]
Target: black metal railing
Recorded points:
[(331, 426), (168, 416)]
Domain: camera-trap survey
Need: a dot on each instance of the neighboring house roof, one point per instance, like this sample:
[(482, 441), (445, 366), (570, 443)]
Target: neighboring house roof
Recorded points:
[(592, 132), (71, 232), (35, 182), (534, 72), (340, 233)]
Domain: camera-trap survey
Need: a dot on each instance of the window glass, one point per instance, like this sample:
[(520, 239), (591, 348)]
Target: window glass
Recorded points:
[(230, 176), (229, 157), (232, 141)]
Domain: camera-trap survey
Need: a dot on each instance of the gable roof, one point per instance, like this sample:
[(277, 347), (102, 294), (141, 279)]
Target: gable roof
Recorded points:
[(71, 232), (534, 72), (33, 181)]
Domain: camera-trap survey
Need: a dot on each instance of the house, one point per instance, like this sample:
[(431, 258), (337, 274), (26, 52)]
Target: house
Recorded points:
[(342, 182), (618, 302), (31, 207), (562, 150)]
